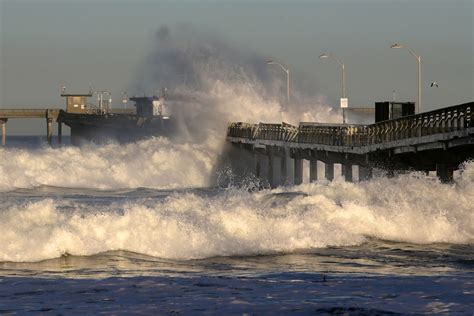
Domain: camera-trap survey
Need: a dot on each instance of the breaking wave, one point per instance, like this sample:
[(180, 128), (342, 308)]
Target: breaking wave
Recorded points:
[(412, 208), (223, 84)]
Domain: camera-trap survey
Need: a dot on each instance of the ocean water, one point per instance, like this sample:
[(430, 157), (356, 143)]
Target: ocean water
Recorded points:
[(80, 233), (142, 228)]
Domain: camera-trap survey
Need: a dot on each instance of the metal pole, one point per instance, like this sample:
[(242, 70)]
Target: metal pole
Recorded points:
[(343, 68), (288, 86), (343, 92), (418, 59), (419, 83), (271, 62)]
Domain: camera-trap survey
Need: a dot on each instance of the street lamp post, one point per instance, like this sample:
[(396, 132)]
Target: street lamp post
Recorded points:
[(287, 70), (343, 70), (418, 59)]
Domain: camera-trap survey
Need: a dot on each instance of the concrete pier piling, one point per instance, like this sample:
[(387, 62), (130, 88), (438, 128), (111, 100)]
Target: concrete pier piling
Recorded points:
[(50, 114), (444, 173), (4, 131), (60, 133), (298, 171), (274, 170), (347, 171), (329, 171), (365, 173), (49, 131), (313, 170)]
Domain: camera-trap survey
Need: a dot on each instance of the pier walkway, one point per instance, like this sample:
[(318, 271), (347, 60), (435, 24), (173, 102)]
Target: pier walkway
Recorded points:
[(437, 140), (49, 114)]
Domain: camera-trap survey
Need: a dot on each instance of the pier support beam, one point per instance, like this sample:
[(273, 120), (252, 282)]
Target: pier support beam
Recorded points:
[(60, 132), (347, 172), (365, 173), (49, 131), (284, 170), (329, 171), (258, 166), (3, 122), (313, 170), (274, 169), (298, 171), (444, 173)]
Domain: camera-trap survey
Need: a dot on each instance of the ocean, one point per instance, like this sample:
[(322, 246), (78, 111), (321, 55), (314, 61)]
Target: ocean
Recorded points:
[(139, 229)]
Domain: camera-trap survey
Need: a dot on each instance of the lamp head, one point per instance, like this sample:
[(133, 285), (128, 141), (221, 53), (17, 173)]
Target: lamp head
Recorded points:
[(323, 56), (269, 62), (396, 46)]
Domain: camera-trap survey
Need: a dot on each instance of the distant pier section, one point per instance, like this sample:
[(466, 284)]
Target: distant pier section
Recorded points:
[(398, 141), (75, 104), (49, 115)]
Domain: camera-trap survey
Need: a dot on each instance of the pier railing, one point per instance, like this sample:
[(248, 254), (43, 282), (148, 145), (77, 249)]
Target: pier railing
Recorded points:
[(444, 120)]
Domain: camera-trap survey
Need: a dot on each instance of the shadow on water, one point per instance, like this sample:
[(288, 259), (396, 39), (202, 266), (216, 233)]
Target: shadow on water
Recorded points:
[(375, 257)]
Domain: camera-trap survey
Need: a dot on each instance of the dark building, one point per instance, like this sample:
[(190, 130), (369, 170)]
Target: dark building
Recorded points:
[(392, 110)]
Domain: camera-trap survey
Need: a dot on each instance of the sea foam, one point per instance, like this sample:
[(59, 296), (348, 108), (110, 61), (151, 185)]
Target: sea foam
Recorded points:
[(411, 208)]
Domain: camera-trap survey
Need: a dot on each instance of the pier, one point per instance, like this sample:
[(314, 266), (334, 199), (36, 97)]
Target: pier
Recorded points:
[(49, 115), (438, 141)]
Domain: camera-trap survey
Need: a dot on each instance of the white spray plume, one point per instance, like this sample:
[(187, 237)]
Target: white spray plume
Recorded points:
[(224, 84)]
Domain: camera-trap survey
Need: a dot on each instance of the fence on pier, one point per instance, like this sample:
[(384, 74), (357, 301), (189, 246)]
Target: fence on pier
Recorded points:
[(444, 120)]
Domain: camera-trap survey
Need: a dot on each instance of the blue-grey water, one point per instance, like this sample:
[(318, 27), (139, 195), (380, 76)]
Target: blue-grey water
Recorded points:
[(81, 233)]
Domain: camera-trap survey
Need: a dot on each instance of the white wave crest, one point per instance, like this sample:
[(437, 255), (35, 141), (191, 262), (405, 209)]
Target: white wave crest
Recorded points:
[(411, 208)]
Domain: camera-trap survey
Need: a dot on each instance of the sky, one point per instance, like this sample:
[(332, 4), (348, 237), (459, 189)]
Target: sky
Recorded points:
[(47, 43)]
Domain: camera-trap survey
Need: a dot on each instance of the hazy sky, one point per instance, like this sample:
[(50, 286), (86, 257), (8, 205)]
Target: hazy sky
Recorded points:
[(44, 43)]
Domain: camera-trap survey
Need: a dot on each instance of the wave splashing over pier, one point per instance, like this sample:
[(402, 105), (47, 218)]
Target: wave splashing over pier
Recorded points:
[(210, 84)]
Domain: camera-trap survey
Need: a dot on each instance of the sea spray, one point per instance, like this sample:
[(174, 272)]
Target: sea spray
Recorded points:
[(228, 85)]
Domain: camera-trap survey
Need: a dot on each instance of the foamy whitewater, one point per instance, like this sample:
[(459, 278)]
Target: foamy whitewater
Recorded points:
[(187, 225), (143, 228)]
